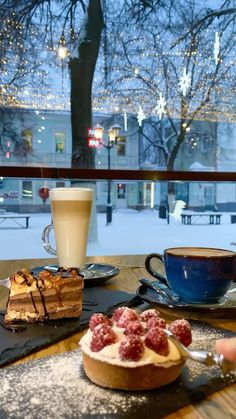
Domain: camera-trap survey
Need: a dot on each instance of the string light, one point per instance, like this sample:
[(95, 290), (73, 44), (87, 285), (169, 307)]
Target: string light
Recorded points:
[(127, 83), (62, 50)]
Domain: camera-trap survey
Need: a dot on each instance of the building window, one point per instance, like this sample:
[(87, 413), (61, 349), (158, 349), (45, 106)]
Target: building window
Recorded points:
[(27, 138), (121, 146), (60, 184), (121, 191), (27, 189), (60, 141)]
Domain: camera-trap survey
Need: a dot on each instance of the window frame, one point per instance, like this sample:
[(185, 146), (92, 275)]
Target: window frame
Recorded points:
[(104, 174)]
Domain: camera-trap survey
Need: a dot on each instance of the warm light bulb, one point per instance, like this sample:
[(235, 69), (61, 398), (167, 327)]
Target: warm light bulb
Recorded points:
[(62, 52)]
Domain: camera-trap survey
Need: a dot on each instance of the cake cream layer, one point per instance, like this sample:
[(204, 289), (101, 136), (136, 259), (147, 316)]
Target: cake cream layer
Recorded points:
[(49, 285), (26, 314), (110, 353)]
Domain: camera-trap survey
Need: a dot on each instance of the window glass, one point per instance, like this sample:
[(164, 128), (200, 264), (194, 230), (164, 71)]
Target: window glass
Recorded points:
[(27, 137), (27, 189), (165, 76), (60, 141), (60, 184), (121, 146), (121, 191), (141, 213)]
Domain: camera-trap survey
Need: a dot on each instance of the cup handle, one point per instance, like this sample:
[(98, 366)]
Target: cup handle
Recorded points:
[(46, 240), (150, 270)]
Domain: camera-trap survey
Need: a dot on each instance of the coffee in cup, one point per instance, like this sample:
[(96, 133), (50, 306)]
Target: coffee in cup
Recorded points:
[(197, 274), (71, 209)]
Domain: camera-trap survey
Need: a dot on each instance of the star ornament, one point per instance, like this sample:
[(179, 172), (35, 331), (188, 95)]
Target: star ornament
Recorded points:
[(216, 47), (140, 116), (161, 104), (185, 82)]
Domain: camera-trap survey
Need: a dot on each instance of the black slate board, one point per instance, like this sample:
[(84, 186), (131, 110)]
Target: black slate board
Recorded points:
[(14, 346), (57, 388)]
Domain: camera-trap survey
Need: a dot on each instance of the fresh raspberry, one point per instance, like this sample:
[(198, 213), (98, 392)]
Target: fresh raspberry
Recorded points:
[(182, 330), (96, 319), (102, 336), (128, 315), (156, 340), (156, 322), (148, 314), (134, 328), (131, 348), (117, 313)]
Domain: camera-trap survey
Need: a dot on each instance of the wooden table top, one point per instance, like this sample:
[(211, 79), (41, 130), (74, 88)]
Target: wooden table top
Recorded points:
[(221, 404)]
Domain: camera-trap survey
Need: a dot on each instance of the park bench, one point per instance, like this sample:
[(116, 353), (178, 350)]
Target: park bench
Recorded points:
[(21, 220), (201, 217)]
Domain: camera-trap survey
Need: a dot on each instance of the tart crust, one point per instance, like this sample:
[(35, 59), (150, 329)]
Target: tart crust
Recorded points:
[(144, 377)]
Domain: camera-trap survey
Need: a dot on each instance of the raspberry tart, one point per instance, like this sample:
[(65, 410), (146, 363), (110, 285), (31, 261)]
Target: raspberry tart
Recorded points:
[(131, 351)]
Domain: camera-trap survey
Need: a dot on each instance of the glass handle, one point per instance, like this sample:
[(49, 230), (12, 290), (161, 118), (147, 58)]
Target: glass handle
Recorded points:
[(46, 240)]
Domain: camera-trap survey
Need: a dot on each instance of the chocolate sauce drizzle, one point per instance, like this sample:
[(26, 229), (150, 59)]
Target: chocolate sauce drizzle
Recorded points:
[(25, 278), (33, 302), (46, 316), (13, 327)]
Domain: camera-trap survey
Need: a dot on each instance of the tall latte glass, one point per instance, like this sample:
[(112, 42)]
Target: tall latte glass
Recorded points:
[(71, 209)]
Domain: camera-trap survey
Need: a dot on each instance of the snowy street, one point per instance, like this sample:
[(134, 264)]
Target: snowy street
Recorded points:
[(131, 232)]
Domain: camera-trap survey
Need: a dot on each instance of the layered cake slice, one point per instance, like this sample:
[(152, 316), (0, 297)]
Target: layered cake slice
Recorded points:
[(47, 296)]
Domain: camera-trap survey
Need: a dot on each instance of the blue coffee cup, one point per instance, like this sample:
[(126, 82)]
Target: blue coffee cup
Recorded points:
[(198, 275)]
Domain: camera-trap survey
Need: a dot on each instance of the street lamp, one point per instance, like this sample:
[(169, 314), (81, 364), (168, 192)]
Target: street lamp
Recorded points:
[(140, 117), (113, 136)]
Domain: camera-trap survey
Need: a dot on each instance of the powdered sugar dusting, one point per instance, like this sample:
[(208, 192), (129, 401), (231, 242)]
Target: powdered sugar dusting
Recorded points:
[(57, 388), (204, 337)]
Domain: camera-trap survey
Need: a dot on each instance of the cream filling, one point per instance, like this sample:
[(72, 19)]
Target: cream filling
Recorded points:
[(110, 353), (18, 289)]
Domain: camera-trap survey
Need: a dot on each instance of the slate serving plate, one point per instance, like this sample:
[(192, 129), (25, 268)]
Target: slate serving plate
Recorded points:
[(14, 346), (93, 273), (57, 388)]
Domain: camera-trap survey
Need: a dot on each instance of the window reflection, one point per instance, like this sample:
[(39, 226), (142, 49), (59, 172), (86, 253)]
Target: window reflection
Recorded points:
[(27, 189)]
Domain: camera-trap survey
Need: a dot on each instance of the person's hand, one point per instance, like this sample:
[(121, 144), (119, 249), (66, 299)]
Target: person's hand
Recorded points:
[(227, 347)]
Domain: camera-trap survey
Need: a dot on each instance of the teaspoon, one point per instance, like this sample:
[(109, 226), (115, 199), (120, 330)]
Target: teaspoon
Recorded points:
[(204, 357)]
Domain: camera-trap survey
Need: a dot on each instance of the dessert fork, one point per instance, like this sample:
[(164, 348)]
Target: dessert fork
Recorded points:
[(204, 357)]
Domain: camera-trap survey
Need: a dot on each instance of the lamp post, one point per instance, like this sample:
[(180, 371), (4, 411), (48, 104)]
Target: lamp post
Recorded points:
[(113, 137), (140, 117)]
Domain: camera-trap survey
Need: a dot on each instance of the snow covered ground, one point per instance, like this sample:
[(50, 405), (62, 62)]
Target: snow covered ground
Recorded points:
[(131, 232)]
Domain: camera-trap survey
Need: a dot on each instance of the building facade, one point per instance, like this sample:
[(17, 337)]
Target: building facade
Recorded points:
[(43, 138)]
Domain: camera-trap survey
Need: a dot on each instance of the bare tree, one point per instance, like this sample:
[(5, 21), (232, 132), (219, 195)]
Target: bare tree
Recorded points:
[(167, 38), (82, 67), (172, 52), (12, 140), (23, 18)]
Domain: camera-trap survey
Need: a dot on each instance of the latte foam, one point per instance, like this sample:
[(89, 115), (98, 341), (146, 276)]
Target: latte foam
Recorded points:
[(199, 252)]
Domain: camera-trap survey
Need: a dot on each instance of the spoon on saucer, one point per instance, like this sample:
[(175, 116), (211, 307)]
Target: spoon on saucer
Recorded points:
[(160, 289), (204, 357)]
